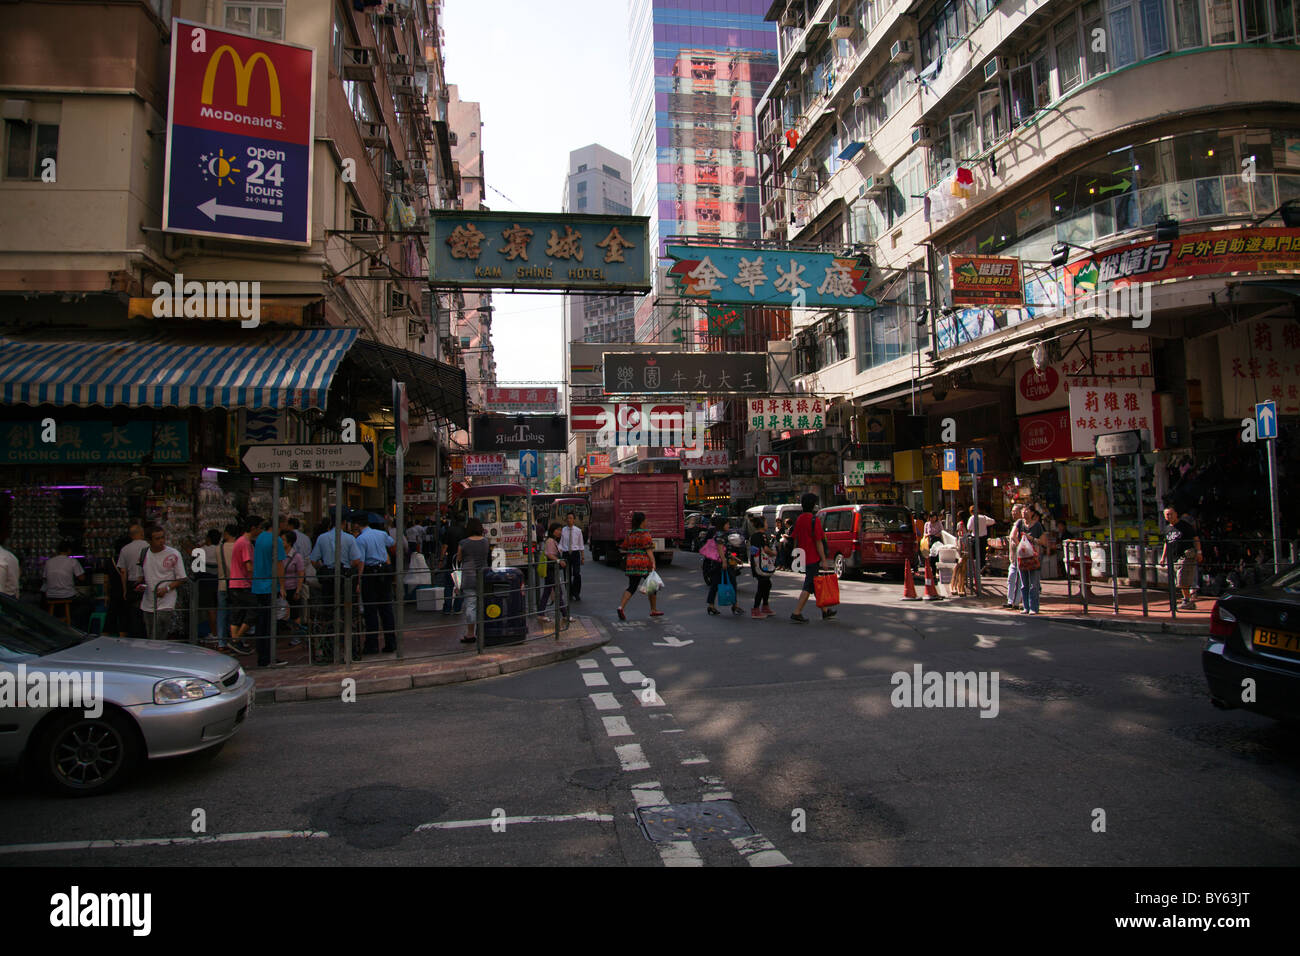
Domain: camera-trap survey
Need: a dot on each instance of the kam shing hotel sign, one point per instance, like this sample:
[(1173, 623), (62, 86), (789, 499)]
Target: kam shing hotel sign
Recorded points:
[(239, 137)]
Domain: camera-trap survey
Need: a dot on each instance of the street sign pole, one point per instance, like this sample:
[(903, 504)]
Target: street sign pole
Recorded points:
[(275, 540), (1270, 447), (399, 582), (975, 538), (1110, 516), (338, 571), (1142, 533)]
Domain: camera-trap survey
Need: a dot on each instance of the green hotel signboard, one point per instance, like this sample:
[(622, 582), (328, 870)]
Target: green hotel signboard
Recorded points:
[(529, 250)]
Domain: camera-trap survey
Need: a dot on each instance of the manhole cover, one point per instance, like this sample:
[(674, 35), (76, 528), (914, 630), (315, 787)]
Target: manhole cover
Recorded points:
[(1053, 688), (696, 822)]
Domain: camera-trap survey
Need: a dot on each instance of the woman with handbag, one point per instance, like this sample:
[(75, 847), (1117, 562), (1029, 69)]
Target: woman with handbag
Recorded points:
[(1032, 539), (762, 563), (638, 561), (552, 550), (472, 553), (715, 566)]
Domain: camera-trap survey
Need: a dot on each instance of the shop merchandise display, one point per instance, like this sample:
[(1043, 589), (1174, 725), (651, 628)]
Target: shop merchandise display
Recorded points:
[(216, 507), (34, 535), (106, 515)]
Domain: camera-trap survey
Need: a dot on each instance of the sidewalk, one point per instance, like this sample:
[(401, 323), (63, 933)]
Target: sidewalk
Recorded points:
[(1101, 609), (433, 655)]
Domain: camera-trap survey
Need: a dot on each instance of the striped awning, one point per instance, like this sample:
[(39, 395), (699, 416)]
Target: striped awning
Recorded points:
[(228, 368)]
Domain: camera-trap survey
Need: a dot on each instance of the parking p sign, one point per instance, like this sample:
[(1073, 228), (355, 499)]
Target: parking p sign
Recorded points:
[(239, 136), (949, 459)]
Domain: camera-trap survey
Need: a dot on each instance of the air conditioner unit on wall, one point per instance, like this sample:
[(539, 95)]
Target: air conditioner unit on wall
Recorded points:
[(876, 185), (922, 136), (863, 93), (359, 64), (900, 52), (993, 69), (402, 63), (374, 134), (843, 27)]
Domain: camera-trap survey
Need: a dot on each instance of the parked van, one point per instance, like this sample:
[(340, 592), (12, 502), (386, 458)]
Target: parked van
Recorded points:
[(773, 514), (869, 537)]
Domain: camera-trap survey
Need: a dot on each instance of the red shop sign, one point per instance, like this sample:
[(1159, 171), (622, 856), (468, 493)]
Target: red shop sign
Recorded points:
[(1046, 435)]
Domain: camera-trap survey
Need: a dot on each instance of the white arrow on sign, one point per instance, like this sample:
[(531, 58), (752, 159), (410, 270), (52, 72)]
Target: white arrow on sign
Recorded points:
[(1266, 416), (670, 641), (212, 211), (305, 459)]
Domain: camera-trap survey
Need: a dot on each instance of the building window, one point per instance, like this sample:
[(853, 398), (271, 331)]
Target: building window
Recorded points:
[(264, 19), (1187, 24), (1222, 19), (993, 121), (1122, 39), (580, 203), (1094, 39), (27, 146), (581, 187), (1155, 39), (1069, 70), (610, 171)]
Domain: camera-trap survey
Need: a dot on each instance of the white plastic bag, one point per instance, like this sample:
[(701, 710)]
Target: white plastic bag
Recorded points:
[(418, 575), (281, 609), (652, 583)]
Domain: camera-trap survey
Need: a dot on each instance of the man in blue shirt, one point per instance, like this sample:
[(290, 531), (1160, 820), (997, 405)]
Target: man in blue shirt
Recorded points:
[(268, 584), (322, 557), (377, 548)]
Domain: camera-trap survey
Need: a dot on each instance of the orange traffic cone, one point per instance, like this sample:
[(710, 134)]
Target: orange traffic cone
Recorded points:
[(909, 583), (931, 592)]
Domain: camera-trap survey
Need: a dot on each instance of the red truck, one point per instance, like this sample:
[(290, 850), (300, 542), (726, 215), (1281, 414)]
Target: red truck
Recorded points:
[(613, 500)]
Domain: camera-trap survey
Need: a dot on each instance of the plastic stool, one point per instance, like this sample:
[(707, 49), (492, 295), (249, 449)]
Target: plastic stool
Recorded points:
[(63, 606), (96, 623)]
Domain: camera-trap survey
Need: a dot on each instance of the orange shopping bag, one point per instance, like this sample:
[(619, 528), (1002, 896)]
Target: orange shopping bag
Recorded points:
[(826, 588)]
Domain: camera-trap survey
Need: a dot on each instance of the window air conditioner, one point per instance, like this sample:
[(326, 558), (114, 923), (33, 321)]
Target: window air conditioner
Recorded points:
[(922, 136), (863, 93), (843, 27), (900, 52), (406, 84), (993, 69), (374, 134), (402, 63), (359, 63), (876, 185)]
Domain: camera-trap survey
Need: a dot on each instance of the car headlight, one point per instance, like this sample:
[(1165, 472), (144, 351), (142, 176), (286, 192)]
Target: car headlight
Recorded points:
[(177, 690)]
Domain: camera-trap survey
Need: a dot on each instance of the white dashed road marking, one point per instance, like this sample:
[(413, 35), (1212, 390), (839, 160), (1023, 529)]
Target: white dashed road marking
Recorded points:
[(632, 757), (694, 759), (617, 727), (164, 841), (587, 664), (611, 650), (605, 702), (621, 661), (757, 850), (595, 679), (589, 815), (628, 677)]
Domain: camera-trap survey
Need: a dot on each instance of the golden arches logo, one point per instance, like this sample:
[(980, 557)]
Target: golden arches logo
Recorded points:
[(243, 77)]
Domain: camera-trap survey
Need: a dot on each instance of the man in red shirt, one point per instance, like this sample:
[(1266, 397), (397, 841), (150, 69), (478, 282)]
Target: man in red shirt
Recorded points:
[(239, 595), (809, 535)]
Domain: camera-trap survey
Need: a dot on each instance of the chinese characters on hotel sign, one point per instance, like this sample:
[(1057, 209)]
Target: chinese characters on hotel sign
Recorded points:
[(767, 278), (669, 373), (520, 399), (539, 251)]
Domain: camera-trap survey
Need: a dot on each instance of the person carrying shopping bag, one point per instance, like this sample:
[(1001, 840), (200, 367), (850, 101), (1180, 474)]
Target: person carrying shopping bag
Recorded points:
[(638, 561), (1013, 569), (762, 563), (552, 550), (716, 565), (1028, 558)]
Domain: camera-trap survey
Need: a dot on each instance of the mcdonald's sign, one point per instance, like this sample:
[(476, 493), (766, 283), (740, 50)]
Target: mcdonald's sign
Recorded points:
[(239, 136)]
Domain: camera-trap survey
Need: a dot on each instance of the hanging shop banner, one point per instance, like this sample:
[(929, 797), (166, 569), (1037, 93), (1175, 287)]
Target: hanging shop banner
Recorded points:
[(857, 473), (239, 136), (509, 433), (530, 250), (1252, 249), (598, 463), (484, 464), (793, 413), (1046, 436), (726, 320), (521, 399), (625, 416), (1096, 411), (740, 276), (986, 280), (1259, 361), (717, 373), (1114, 358), (95, 442)]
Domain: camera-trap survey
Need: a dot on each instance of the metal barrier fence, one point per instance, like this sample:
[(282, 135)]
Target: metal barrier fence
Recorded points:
[(343, 617), (1133, 564)]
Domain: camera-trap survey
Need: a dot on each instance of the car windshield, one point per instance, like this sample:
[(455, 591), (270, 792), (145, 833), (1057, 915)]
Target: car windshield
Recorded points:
[(25, 631), (886, 519), (1288, 580)]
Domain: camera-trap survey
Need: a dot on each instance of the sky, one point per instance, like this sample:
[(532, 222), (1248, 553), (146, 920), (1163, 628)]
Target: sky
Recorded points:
[(551, 77)]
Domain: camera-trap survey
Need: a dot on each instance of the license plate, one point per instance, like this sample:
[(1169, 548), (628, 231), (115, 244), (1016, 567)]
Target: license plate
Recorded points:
[(888, 546), (1288, 641)]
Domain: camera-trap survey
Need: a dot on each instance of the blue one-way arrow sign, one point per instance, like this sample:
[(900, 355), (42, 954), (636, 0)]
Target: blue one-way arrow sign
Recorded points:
[(974, 461), (1266, 419), (528, 464)]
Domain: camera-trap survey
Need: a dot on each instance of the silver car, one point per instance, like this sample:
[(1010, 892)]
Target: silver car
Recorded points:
[(85, 711)]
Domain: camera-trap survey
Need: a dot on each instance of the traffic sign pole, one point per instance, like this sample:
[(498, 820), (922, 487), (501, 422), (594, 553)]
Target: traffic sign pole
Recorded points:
[(1142, 532), (1270, 447), (1110, 512)]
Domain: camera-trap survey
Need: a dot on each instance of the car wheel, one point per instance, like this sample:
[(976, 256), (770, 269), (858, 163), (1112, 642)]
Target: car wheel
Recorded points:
[(839, 565), (81, 756)]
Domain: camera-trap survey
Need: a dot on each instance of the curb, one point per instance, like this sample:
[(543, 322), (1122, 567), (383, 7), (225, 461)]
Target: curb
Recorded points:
[(433, 673), (1108, 623)]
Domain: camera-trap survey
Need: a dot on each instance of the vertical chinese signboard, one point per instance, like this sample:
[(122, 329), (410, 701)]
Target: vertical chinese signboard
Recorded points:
[(239, 136)]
